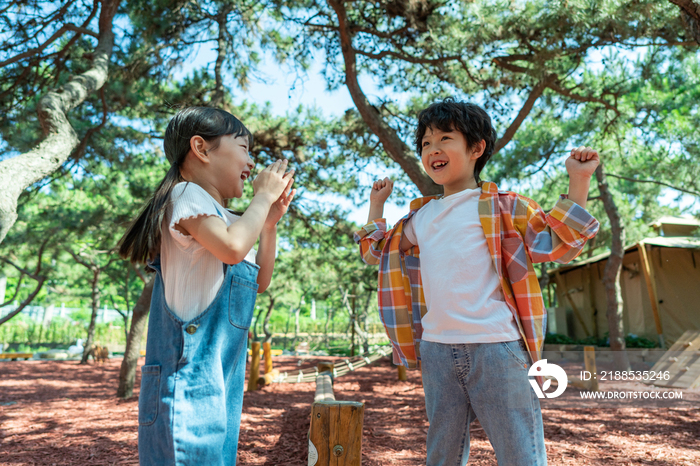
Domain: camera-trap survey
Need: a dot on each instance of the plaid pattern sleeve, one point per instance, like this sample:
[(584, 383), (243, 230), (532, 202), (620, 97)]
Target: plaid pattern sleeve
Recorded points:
[(377, 246), (520, 233), (400, 290), (557, 236), (371, 239)]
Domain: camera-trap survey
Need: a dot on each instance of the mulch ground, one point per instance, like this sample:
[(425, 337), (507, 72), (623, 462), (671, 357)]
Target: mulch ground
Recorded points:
[(61, 413)]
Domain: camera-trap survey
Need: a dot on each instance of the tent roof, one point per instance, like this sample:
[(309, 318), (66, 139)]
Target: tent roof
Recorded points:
[(670, 220), (684, 242)]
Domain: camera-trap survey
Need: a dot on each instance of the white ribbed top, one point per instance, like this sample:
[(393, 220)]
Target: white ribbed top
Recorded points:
[(192, 275)]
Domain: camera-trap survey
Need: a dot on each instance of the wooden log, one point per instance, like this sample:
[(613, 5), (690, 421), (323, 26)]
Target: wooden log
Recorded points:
[(326, 367), (267, 354), (589, 361), (254, 367), (402, 373), (267, 378), (324, 388), (335, 435)]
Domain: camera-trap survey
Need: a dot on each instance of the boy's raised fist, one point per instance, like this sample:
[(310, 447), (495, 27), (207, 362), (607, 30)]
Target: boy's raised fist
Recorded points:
[(381, 189), (582, 162)]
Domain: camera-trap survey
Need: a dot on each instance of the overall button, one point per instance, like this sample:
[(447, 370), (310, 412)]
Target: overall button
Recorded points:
[(191, 329)]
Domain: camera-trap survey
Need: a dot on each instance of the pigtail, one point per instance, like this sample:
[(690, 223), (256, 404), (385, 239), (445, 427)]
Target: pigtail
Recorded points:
[(141, 242)]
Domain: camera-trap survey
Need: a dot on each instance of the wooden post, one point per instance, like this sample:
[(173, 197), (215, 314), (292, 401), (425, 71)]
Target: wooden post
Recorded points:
[(560, 284), (267, 379), (326, 367), (335, 436), (254, 367), (402, 372), (651, 289), (267, 356), (589, 360)]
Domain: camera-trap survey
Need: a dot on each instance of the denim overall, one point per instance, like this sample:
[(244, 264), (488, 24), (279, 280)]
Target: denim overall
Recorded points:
[(193, 380)]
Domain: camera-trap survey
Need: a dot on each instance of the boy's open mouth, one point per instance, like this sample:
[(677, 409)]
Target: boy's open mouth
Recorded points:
[(438, 164), (245, 175)]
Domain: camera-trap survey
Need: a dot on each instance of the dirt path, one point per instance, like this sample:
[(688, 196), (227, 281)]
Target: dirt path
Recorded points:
[(60, 413)]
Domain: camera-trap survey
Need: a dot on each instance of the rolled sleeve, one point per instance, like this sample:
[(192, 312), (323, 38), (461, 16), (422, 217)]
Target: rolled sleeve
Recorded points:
[(575, 217), (371, 239), (559, 235)]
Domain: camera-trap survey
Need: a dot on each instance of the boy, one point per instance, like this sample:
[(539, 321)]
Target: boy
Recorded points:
[(472, 301)]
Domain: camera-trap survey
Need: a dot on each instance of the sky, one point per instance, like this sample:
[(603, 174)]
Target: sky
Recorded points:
[(285, 91)]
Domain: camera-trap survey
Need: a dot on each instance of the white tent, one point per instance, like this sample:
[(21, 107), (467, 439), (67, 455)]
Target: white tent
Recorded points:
[(660, 288)]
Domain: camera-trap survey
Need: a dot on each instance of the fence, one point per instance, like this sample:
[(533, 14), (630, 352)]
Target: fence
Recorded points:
[(41, 314)]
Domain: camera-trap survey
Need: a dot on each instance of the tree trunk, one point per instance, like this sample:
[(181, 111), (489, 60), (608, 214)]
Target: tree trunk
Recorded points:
[(365, 335), (355, 320), (266, 322), (255, 325), (392, 143), (544, 278), (611, 275), (325, 326), (217, 99), (139, 317), (690, 12), (296, 325), (93, 319), (286, 327), (60, 139)]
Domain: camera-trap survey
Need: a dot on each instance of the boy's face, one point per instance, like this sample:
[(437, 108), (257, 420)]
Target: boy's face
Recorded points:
[(448, 160)]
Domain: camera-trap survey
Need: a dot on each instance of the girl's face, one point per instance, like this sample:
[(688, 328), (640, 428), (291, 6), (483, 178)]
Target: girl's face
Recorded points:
[(231, 165)]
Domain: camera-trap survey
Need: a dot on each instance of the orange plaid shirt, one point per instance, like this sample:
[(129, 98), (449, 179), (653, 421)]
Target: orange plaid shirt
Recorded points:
[(518, 232)]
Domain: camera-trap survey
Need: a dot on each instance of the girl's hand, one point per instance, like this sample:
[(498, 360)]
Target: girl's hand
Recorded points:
[(272, 181), (279, 208), (582, 162), (381, 190)]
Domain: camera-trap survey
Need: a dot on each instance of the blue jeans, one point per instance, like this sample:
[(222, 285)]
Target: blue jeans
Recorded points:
[(487, 381), (193, 380)]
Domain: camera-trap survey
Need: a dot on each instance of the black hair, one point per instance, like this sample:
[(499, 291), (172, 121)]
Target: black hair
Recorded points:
[(141, 242), (469, 119)]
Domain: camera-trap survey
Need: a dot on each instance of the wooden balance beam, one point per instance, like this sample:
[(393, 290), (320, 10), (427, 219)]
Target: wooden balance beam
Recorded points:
[(335, 435), (16, 356)]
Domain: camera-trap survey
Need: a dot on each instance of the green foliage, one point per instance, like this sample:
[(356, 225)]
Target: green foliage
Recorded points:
[(558, 339), (633, 341)]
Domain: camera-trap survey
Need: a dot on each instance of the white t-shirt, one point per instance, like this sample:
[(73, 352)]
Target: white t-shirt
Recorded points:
[(463, 295), (192, 275)]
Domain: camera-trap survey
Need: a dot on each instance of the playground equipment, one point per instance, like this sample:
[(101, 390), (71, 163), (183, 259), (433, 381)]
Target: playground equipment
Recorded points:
[(681, 361), (339, 369), (335, 434), (589, 362), (16, 356), (255, 381)]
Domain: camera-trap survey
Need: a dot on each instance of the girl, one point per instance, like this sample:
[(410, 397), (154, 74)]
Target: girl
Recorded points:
[(207, 276)]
